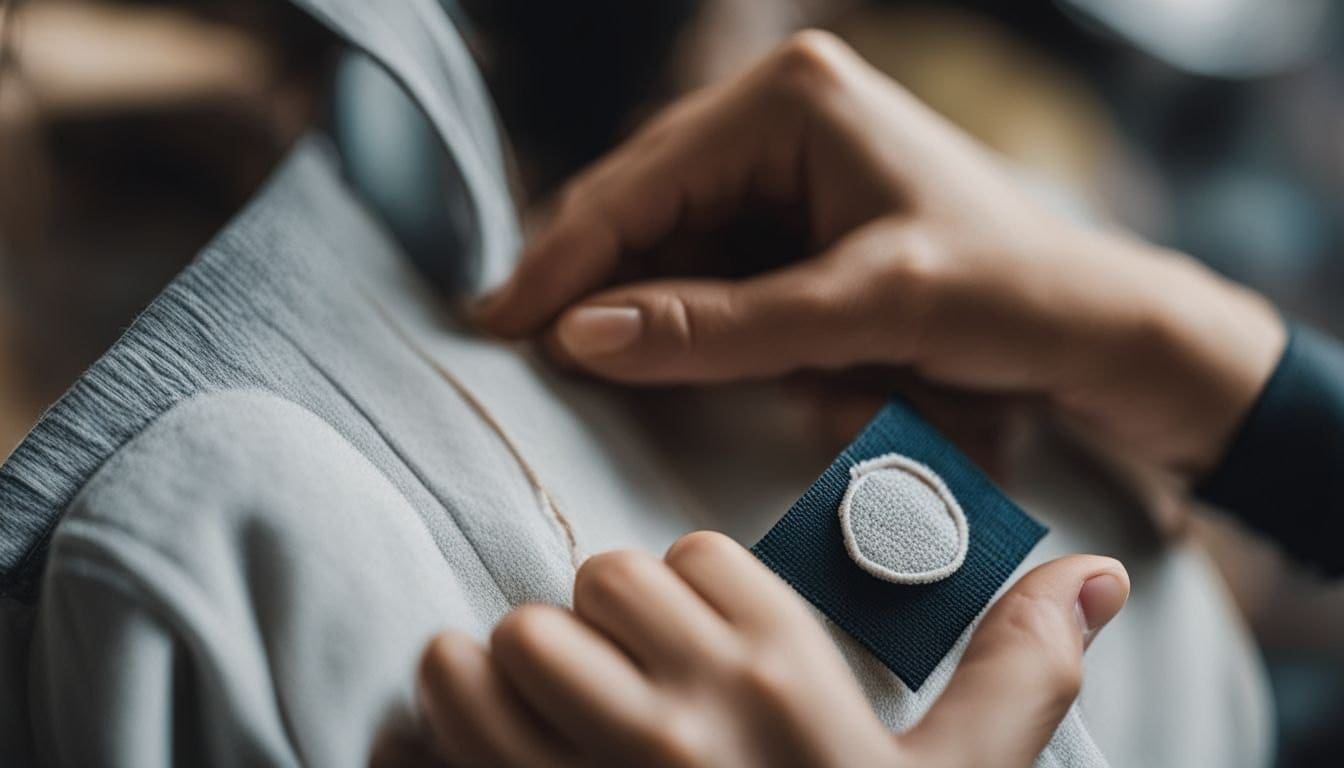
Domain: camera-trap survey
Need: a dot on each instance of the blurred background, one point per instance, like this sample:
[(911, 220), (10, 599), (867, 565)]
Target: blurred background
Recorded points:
[(130, 131)]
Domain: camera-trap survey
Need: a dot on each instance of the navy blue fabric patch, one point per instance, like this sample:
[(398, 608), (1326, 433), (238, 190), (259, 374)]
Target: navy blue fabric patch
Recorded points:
[(909, 628)]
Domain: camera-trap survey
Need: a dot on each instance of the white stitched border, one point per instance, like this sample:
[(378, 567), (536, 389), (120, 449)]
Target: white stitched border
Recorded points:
[(934, 482)]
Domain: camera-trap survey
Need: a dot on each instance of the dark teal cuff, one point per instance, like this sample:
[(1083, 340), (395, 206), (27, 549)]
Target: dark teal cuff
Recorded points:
[(1283, 474)]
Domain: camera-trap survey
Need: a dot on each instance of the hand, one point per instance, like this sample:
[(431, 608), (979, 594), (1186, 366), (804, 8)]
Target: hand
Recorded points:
[(920, 253), (706, 658)]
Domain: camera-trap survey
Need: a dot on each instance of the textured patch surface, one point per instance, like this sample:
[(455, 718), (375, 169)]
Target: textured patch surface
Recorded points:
[(901, 523), (908, 627)]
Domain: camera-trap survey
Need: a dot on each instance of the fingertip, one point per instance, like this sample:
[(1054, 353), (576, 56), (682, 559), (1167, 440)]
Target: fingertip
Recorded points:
[(450, 662), (1100, 599), (514, 308), (1115, 568), (490, 313), (444, 654), (698, 541)]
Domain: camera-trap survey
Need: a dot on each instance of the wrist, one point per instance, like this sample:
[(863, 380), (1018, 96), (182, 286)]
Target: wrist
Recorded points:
[(1188, 357), (1223, 341)]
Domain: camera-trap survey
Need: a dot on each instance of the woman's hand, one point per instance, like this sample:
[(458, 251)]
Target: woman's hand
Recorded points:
[(706, 658), (921, 253)]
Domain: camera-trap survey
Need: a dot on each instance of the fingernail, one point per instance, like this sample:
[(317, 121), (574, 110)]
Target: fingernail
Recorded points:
[(593, 331), (1099, 600)]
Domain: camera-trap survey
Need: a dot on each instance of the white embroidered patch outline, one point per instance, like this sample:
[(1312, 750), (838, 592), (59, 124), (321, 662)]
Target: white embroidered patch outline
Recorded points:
[(901, 523)]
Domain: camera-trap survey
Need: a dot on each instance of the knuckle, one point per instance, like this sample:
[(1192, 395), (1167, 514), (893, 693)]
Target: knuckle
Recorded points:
[(915, 268), (1030, 621), (680, 320), (679, 740), (809, 62), (769, 680), (439, 658), (572, 195), (819, 299), (812, 53), (579, 201), (914, 260)]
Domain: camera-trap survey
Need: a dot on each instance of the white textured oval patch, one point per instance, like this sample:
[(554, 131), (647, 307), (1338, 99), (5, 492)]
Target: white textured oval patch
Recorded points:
[(901, 523)]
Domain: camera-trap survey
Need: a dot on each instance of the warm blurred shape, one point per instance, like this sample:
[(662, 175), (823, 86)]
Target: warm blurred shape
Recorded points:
[(129, 133)]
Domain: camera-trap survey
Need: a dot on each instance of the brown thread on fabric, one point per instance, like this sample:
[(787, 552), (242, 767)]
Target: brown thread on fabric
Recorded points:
[(544, 497)]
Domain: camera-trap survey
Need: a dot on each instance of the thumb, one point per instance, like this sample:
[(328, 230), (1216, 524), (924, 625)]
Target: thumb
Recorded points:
[(1023, 667), (823, 312)]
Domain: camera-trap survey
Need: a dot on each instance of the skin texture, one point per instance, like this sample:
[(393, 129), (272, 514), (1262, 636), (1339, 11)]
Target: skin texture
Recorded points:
[(920, 254), (706, 658)]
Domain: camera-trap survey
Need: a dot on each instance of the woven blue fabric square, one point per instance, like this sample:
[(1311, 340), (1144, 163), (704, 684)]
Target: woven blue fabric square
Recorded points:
[(908, 627)]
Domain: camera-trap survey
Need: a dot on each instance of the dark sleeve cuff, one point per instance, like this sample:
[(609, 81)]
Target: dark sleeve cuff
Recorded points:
[(1284, 473)]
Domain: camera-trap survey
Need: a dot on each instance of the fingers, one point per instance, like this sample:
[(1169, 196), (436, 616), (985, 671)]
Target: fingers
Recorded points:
[(694, 167), (1023, 667), (735, 583), (824, 312), (474, 718), (572, 676), (571, 258), (626, 204), (646, 609)]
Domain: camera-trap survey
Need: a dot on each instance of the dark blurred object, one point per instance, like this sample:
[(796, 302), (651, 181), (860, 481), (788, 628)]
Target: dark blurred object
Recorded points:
[(1309, 697), (129, 198), (569, 76)]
